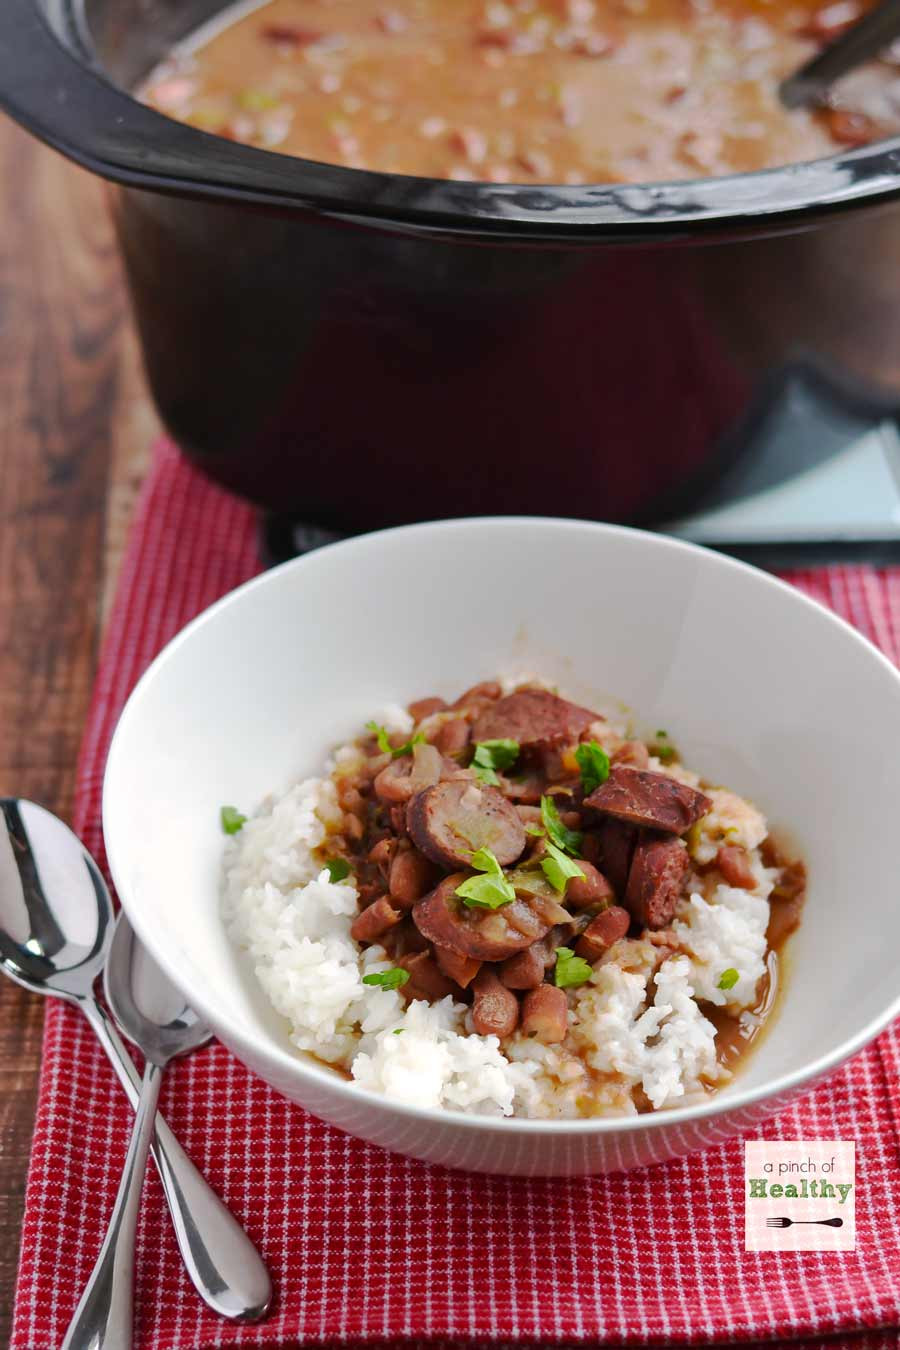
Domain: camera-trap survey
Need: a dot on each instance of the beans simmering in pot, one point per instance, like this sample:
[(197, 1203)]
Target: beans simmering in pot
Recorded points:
[(525, 91)]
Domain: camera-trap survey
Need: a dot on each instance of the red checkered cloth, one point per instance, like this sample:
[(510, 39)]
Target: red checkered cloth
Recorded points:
[(369, 1248)]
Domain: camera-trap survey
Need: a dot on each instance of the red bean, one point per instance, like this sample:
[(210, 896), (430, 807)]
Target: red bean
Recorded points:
[(633, 753), (425, 980), (488, 689), (411, 875), (376, 919), (526, 969), (602, 932), (545, 1014), (495, 1011), (453, 737), (424, 707), (394, 782), (382, 853), (398, 819), (734, 864), (461, 969), (591, 889)]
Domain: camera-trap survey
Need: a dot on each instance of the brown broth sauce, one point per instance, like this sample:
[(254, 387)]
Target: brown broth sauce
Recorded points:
[(523, 91), (737, 1036)]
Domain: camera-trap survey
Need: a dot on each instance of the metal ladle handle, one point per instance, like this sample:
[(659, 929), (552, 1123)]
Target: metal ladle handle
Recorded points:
[(103, 1318), (870, 35), (223, 1264)]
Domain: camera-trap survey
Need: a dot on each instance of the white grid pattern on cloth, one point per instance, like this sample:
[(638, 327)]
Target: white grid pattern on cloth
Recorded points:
[(369, 1248)]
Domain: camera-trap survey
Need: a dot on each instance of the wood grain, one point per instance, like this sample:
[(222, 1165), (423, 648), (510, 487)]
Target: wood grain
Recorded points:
[(75, 427)]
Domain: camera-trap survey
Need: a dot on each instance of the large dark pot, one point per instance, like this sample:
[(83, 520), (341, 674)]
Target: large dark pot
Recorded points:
[(362, 349)]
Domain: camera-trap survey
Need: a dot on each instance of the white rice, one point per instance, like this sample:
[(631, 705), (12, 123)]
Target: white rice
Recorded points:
[(637, 1023)]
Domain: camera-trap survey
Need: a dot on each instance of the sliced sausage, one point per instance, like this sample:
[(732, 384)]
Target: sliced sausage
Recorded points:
[(654, 882), (425, 979), (450, 821), (410, 876), (602, 932), (485, 934), (545, 1014), (526, 969), (374, 920), (533, 717), (495, 1011), (616, 840), (461, 969), (734, 864), (424, 707), (592, 888), (651, 799)]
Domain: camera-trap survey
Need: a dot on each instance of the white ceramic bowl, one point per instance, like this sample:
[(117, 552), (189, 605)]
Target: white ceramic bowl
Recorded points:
[(761, 689)]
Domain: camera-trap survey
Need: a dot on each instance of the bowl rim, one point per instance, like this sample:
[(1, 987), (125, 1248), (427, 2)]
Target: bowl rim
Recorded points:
[(264, 1049), (104, 128)]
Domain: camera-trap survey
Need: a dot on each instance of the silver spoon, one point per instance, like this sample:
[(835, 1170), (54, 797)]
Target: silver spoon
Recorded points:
[(56, 924), (154, 1015), (873, 33)]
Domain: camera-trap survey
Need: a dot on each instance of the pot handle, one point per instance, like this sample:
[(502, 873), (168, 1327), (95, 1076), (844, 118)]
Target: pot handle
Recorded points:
[(52, 86)]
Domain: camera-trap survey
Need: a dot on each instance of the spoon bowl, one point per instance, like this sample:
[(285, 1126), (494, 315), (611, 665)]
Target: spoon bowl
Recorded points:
[(56, 915), (145, 1003), (56, 930)]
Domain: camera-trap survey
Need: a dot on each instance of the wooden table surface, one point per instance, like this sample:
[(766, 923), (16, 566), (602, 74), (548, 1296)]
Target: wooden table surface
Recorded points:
[(76, 425)]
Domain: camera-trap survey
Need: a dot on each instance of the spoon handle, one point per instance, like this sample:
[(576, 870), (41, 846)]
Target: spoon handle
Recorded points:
[(224, 1266), (103, 1318)]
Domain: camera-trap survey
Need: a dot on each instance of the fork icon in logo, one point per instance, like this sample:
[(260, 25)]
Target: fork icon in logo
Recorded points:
[(786, 1223)]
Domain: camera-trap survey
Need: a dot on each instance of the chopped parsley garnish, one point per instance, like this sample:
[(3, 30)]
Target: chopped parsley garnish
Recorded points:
[(557, 868), (387, 979), (489, 891), (384, 745), (537, 830), (593, 765), (398, 1031), (729, 978), (338, 868), (490, 756), (664, 752), (662, 735), (568, 840), (231, 819), (570, 969)]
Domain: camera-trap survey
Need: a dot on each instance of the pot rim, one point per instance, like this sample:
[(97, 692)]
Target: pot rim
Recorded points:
[(50, 85)]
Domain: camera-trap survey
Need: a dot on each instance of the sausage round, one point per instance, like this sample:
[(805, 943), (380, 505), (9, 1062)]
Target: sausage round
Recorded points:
[(485, 934), (450, 821), (533, 717), (650, 799), (654, 882)]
